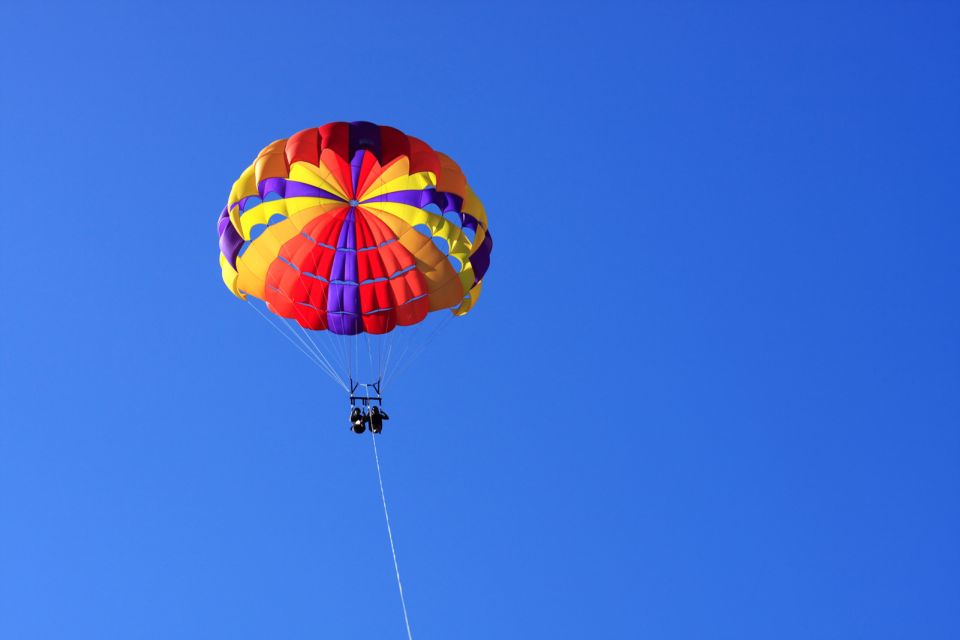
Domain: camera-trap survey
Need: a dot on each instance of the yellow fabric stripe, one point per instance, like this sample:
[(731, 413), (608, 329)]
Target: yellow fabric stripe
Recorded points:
[(230, 277), (262, 213), (399, 167), (252, 266), (467, 276), (473, 206), (241, 189), (472, 296), (320, 177), (388, 184)]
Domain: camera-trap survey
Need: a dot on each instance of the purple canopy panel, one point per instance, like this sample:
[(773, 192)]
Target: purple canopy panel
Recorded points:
[(230, 243), (481, 258), (230, 240), (343, 297), (364, 135), (355, 165), (467, 221), (421, 198), (453, 202), (292, 189), (223, 220)]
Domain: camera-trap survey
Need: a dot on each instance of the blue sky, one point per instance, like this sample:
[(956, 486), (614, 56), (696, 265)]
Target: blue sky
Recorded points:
[(711, 389)]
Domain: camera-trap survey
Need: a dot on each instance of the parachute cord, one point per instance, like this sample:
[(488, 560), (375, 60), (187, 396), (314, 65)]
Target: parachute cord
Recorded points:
[(305, 349), (409, 356), (393, 550)]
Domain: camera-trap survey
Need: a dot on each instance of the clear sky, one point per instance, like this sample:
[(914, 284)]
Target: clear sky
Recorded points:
[(712, 389)]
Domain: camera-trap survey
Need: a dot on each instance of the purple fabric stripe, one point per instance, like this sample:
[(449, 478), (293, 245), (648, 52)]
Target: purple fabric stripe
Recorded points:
[(230, 243), (242, 202), (293, 189), (364, 135), (355, 165), (230, 240), (343, 298), (454, 202), (421, 198), (223, 220), (467, 221), (480, 260)]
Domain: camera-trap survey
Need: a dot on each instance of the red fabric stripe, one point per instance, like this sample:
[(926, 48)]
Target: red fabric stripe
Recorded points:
[(369, 169), (325, 228), (393, 144), (393, 256), (369, 263), (374, 296), (304, 147), (422, 157), (336, 137), (413, 312)]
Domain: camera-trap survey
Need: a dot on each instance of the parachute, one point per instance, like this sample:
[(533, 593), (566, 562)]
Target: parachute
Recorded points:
[(355, 237)]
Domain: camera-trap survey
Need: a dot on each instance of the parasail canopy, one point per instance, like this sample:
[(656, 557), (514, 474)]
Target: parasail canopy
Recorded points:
[(354, 228)]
